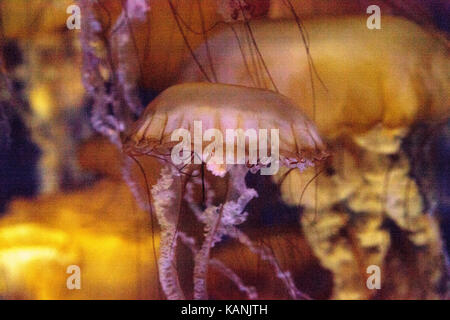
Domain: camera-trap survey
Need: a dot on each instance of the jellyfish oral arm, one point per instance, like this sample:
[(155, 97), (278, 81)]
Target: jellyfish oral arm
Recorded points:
[(165, 193), (221, 221), (220, 267), (217, 222)]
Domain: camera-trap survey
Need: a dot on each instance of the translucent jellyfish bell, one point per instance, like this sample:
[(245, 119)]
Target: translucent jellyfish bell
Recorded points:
[(225, 107), (220, 108)]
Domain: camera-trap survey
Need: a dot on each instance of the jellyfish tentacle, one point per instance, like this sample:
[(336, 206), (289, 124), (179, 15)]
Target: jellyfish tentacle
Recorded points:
[(189, 195), (108, 124), (166, 192), (229, 229), (202, 257), (250, 291), (122, 42), (239, 189), (267, 255), (217, 222)]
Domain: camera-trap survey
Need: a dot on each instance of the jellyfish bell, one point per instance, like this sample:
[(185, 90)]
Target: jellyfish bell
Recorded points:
[(221, 108), (225, 108)]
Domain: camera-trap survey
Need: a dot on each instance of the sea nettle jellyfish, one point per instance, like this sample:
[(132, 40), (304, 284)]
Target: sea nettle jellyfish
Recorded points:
[(366, 92), (245, 113), (374, 85)]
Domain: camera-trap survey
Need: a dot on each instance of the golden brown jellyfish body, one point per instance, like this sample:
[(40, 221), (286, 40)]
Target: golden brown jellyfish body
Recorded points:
[(161, 39), (225, 107), (221, 107), (393, 77), (373, 87)]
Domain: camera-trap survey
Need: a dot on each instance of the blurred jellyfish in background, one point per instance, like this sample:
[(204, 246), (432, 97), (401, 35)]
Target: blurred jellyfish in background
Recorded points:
[(379, 98), (51, 91)]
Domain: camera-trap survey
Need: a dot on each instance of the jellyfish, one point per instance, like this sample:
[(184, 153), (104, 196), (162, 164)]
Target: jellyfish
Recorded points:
[(373, 86), (223, 108), (366, 92), (342, 105)]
